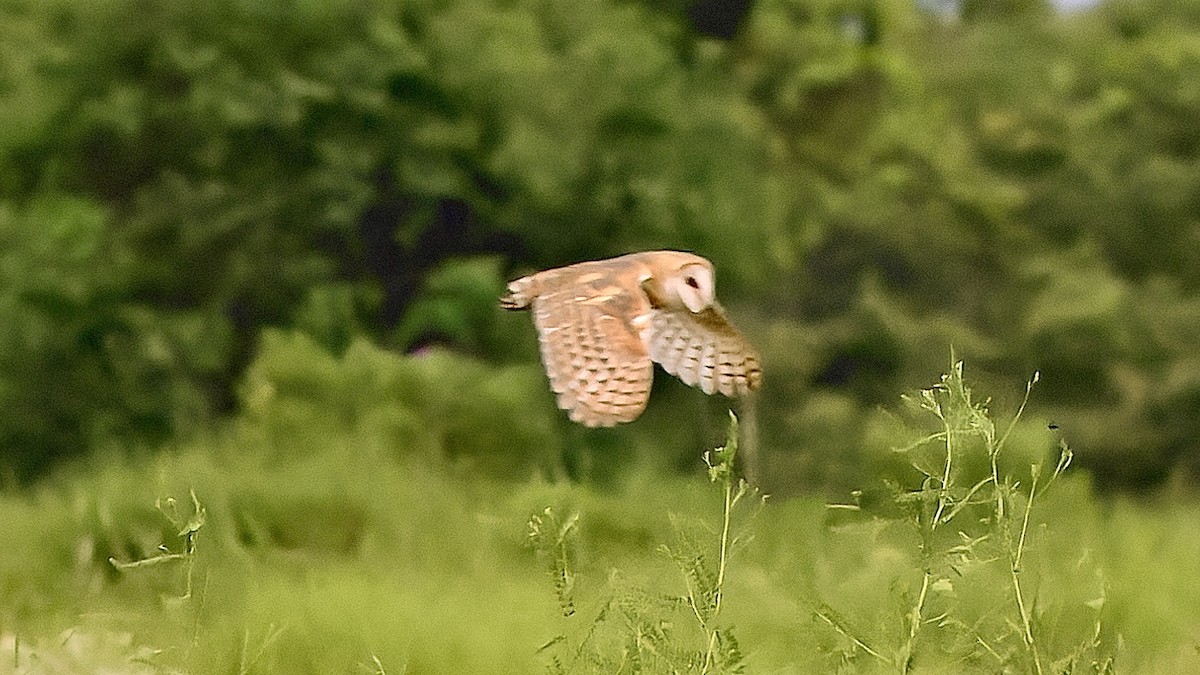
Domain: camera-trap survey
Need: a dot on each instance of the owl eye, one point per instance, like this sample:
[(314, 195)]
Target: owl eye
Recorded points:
[(691, 281)]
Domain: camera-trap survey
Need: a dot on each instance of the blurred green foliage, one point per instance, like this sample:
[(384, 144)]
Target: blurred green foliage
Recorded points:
[(442, 408), (336, 560), (874, 181)]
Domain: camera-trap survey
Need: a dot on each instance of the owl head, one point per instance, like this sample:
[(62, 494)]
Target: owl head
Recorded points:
[(690, 284)]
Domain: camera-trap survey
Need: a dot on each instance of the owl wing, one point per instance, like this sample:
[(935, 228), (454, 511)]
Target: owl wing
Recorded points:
[(704, 350), (590, 326)]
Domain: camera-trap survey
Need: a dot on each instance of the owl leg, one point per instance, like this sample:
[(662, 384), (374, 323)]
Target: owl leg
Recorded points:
[(518, 295)]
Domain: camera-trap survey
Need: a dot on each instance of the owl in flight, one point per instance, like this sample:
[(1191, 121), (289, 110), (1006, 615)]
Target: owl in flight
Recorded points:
[(602, 325)]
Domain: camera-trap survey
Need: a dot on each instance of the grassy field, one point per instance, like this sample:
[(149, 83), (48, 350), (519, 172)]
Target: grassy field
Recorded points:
[(228, 554)]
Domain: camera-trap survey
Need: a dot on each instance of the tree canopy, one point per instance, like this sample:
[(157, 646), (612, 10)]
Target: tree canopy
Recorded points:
[(874, 181)]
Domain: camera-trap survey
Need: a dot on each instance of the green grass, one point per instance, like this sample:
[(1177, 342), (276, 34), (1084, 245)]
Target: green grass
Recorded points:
[(354, 560)]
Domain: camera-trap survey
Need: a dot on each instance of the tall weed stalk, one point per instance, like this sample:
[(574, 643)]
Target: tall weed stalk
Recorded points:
[(635, 630), (963, 526)]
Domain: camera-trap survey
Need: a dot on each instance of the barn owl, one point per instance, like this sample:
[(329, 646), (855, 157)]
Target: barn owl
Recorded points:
[(603, 324)]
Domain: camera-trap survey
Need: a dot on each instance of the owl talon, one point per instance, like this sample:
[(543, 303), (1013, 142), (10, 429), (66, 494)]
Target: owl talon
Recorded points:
[(507, 301), (516, 297)]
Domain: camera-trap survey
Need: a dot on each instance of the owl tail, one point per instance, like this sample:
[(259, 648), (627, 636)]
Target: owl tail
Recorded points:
[(519, 294)]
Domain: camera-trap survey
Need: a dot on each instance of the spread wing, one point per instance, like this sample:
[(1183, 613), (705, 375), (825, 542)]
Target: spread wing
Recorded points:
[(704, 350), (590, 331)]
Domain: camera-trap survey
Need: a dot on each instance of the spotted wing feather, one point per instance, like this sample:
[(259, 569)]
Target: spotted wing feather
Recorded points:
[(704, 350), (589, 332)]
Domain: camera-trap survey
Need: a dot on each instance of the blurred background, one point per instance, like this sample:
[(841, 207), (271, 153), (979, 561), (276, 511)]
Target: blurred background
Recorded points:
[(298, 215)]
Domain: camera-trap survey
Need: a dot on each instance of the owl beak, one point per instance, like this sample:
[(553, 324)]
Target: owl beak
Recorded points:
[(693, 302)]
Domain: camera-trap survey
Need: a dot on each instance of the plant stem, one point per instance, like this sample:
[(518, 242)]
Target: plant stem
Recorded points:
[(844, 632), (945, 484), (1015, 571), (915, 624), (724, 543), (712, 632), (942, 499)]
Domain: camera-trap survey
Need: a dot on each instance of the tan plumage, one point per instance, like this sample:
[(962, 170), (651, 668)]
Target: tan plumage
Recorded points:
[(602, 324)]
